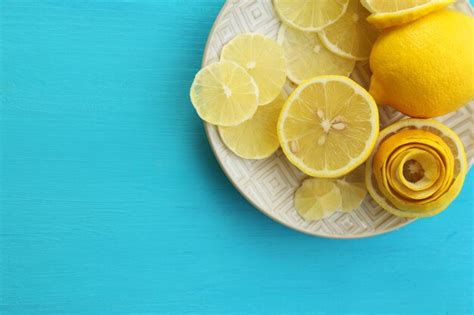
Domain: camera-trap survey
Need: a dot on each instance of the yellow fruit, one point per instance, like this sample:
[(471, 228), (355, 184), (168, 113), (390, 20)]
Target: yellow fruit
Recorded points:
[(224, 94), (317, 199), (426, 68), (396, 12), (263, 59), (352, 188), (255, 138), (351, 36), (328, 126), (306, 56), (417, 168), (310, 15)]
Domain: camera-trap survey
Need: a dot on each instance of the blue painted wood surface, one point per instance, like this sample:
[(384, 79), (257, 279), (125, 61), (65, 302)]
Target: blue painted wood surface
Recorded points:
[(112, 202)]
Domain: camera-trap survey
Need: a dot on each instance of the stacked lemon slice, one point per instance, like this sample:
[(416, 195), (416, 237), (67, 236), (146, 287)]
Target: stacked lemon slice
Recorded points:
[(327, 46), (242, 94)]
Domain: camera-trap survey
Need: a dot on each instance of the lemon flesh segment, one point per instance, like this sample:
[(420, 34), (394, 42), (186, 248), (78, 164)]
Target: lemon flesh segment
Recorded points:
[(307, 57), (263, 59), (317, 199), (391, 13), (352, 188), (224, 94), (255, 138), (451, 152), (351, 36), (310, 15), (328, 126), (417, 79)]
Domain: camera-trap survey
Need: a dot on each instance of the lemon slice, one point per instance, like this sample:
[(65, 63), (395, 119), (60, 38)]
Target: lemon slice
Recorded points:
[(224, 94), (310, 15), (395, 12), (317, 199), (398, 148), (263, 59), (351, 36), (352, 188), (328, 126), (255, 138), (306, 56)]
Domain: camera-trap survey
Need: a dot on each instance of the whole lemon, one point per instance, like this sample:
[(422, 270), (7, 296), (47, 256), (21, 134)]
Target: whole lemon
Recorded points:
[(425, 68)]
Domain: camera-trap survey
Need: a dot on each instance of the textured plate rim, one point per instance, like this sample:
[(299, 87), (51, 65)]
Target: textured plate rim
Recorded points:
[(208, 126)]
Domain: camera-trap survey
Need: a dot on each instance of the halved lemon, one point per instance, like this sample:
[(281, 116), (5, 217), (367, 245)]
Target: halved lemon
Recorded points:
[(351, 36), (224, 94), (352, 188), (255, 138), (310, 15), (307, 57), (417, 169), (317, 198), (395, 12), (328, 126), (263, 59)]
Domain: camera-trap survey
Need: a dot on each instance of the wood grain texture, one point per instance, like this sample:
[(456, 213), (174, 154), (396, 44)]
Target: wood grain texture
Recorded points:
[(112, 202)]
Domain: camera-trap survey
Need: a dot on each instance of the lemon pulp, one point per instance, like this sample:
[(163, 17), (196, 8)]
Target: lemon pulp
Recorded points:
[(224, 94), (255, 138), (263, 59), (328, 126)]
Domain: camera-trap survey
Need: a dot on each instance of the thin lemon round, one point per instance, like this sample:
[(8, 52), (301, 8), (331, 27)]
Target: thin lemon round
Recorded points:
[(352, 189), (224, 94), (255, 138), (310, 15), (263, 59), (396, 12), (328, 126), (307, 57), (351, 36), (451, 185), (317, 199)]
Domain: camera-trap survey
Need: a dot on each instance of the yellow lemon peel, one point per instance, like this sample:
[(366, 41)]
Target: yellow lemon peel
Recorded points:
[(417, 168)]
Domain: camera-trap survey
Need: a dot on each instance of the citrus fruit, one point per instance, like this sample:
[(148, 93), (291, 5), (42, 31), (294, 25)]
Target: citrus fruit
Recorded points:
[(224, 94), (307, 57), (426, 68), (351, 36), (390, 13), (417, 168), (352, 189), (310, 15), (263, 59), (317, 198), (255, 138), (328, 126)]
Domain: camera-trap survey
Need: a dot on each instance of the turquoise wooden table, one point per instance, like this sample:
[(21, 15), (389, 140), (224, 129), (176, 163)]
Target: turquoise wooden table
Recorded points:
[(112, 202)]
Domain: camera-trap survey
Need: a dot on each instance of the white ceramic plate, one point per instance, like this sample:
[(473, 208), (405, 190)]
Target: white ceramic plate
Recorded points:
[(269, 184)]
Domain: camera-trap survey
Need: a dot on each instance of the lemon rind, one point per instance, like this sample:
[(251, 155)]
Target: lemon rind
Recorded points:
[(380, 199)]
